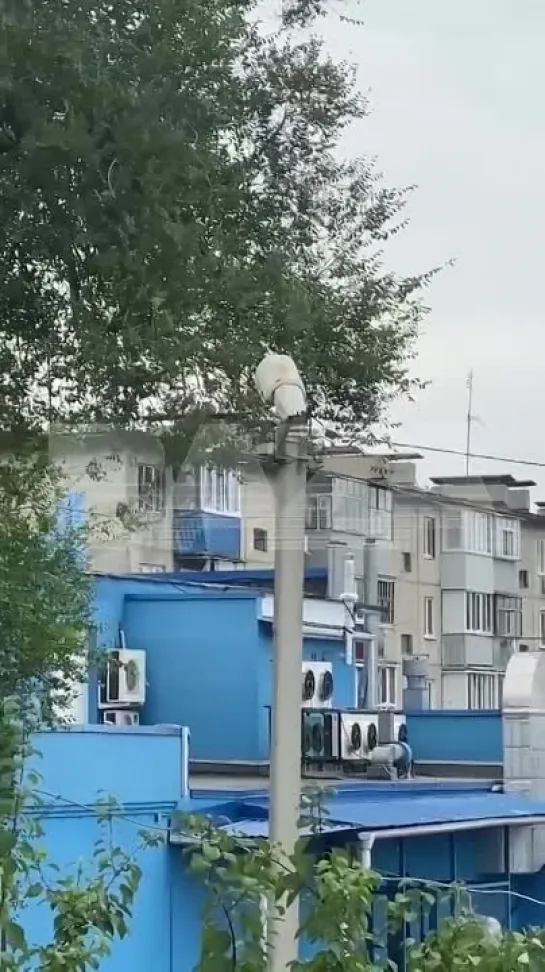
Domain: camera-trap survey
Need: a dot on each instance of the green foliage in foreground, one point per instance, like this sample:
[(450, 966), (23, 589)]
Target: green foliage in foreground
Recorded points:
[(45, 594), (90, 902), (339, 906)]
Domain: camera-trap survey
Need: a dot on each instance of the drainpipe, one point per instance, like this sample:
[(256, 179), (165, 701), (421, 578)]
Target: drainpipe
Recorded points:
[(185, 762), (367, 841)]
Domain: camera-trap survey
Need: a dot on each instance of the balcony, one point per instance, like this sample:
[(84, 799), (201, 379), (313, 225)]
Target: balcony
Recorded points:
[(209, 535)]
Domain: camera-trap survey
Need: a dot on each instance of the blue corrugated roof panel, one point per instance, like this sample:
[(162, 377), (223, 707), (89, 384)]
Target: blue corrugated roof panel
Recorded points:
[(424, 811), (413, 812)]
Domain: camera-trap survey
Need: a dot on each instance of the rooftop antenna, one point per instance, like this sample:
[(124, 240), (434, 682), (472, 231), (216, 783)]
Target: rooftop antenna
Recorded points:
[(469, 419)]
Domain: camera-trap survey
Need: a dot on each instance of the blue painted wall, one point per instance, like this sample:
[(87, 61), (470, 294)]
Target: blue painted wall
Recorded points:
[(314, 649), (202, 667), (210, 664), (456, 736), (141, 768), (198, 534), (209, 661)]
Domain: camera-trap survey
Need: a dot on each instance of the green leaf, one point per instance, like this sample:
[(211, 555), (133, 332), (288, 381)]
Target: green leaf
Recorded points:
[(15, 936)]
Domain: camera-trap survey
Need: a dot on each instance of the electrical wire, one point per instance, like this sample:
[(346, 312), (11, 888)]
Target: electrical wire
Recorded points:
[(508, 460), (386, 876)]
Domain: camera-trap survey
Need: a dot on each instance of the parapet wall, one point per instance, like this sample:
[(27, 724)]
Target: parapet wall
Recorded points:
[(138, 766)]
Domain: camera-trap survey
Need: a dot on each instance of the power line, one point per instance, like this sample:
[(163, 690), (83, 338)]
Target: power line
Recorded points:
[(117, 812), (509, 460)]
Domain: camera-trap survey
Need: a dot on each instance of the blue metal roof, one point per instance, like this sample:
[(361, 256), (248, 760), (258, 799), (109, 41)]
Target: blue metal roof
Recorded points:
[(240, 577), (410, 812)]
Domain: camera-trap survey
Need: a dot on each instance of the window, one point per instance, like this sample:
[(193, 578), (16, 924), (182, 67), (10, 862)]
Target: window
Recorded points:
[(361, 687), (151, 569), (219, 491), (479, 613), (429, 618), (508, 616), (524, 579), (406, 644), (429, 537), (541, 556), (452, 531), (319, 512), (407, 562), (386, 600), (483, 690), (380, 513), (261, 540), (350, 506), (151, 489), (508, 542), (479, 532), (387, 685), (542, 629)]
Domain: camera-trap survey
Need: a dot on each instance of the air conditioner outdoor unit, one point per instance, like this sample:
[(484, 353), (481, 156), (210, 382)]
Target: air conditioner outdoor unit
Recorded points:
[(124, 681), (358, 735), (317, 687), (121, 717), (319, 735)]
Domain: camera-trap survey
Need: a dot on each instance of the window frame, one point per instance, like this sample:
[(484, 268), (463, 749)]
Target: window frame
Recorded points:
[(524, 579), (541, 556), (219, 491), (453, 524), (508, 606), (484, 687), (430, 538), (541, 628), (429, 616), (507, 527), (318, 514), (388, 597), (388, 681), (151, 481), (479, 613), (263, 545)]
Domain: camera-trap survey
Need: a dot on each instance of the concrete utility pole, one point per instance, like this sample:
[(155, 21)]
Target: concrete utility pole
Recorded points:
[(279, 383)]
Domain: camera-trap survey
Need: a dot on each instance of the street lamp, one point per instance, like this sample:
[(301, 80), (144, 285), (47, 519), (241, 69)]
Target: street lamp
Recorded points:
[(280, 385)]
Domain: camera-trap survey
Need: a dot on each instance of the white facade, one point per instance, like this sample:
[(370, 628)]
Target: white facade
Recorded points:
[(129, 497), (459, 568)]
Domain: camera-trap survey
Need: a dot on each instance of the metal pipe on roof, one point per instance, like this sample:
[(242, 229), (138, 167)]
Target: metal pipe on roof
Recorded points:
[(455, 827), (366, 846)]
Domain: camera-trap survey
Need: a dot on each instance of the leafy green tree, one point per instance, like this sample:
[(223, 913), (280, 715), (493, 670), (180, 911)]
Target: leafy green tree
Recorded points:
[(173, 204), (45, 594), (90, 905), (346, 921)]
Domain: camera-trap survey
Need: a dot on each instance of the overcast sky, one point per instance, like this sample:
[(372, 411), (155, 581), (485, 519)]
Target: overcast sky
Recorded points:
[(457, 93)]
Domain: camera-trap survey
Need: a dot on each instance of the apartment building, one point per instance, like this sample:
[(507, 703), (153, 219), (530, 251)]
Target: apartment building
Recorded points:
[(460, 569), (457, 570), (128, 495)]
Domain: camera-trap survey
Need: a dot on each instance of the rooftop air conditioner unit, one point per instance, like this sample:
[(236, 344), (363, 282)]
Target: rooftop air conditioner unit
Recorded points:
[(121, 717), (317, 687), (124, 681)]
